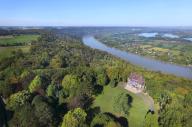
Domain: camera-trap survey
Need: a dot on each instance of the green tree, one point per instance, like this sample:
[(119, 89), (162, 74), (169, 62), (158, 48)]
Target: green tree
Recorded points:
[(114, 73), (44, 59), (43, 111), (6, 89), (74, 118), (51, 90), (36, 84), (150, 120), (24, 117), (18, 99), (26, 77), (176, 114), (102, 78), (188, 99), (24, 74), (122, 103), (171, 115), (57, 62), (71, 84), (62, 95), (113, 83), (164, 100)]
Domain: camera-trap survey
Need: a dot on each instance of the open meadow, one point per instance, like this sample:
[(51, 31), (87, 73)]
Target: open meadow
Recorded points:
[(137, 111), (13, 40)]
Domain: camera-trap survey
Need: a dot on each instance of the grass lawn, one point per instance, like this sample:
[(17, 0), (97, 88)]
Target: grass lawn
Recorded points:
[(137, 112), (160, 49), (6, 51), (19, 39)]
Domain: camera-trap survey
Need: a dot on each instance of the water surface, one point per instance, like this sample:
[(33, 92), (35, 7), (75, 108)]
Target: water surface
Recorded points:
[(148, 34), (144, 62), (170, 36), (189, 39)]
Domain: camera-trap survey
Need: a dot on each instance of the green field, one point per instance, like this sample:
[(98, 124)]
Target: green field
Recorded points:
[(137, 112), (17, 40), (6, 51)]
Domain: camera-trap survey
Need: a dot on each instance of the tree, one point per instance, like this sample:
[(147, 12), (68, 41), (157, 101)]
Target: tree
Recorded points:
[(44, 59), (171, 115), (150, 120), (114, 73), (113, 83), (122, 103), (43, 111), (36, 84), (74, 118), (164, 100), (71, 83), (12, 75), (24, 117), (57, 62), (176, 114), (18, 53), (188, 99), (18, 99), (62, 95), (26, 77), (102, 78), (51, 90), (80, 101), (6, 89)]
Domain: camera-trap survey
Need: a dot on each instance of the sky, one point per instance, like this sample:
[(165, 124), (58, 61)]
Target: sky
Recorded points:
[(95, 12)]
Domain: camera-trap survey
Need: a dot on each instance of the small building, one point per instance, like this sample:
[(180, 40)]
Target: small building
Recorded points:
[(135, 83)]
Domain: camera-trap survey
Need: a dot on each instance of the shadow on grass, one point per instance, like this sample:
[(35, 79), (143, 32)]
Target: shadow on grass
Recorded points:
[(98, 89), (122, 120), (92, 112)]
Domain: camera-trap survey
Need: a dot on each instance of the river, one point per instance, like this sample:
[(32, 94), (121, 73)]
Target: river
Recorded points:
[(147, 63)]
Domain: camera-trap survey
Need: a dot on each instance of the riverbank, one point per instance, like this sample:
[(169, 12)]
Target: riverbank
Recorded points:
[(168, 49), (146, 63)]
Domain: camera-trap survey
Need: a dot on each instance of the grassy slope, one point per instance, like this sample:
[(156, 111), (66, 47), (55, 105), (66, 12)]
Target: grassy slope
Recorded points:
[(137, 111), (6, 51), (18, 39)]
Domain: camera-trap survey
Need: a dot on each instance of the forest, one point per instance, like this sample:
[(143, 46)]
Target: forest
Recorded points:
[(58, 82)]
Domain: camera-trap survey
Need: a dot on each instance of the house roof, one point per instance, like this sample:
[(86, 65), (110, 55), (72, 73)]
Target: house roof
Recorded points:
[(137, 78)]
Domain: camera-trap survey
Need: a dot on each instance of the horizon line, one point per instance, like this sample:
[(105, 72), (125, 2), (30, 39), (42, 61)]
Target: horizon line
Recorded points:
[(91, 26)]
